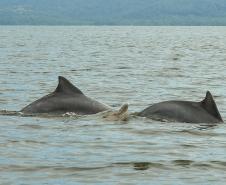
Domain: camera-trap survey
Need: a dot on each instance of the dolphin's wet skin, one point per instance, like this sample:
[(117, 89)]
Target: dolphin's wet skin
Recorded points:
[(68, 98), (185, 111)]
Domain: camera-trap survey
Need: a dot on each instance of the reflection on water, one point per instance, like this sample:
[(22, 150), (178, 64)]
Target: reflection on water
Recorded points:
[(115, 65)]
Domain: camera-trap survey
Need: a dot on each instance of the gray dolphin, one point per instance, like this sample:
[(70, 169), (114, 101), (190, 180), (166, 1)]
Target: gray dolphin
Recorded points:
[(66, 98), (185, 111)]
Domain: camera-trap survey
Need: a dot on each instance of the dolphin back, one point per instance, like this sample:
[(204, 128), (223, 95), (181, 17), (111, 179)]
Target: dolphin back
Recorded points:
[(65, 98), (205, 111)]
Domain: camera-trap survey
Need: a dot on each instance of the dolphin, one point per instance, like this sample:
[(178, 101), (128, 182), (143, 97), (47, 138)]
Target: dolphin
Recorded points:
[(65, 98), (120, 115), (205, 111)]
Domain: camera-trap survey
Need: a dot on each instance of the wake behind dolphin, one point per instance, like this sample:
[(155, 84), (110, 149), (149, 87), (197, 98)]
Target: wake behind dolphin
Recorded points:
[(205, 111)]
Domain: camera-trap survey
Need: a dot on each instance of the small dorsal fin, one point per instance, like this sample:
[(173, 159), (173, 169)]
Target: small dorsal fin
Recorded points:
[(65, 86), (210, 106), (123, 109)]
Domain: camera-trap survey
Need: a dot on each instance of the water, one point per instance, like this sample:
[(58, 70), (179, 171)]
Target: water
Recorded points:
[(115, 65)]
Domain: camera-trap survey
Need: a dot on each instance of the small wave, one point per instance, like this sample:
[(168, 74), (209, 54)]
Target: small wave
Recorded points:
[(25, 142), (31, 126), (28, 168), (197, 133), (138, 166), (123, 67), (70, 114), (173, 164), (44, 115), (182, 162), (10, 113), (200, 164), (189, 146)]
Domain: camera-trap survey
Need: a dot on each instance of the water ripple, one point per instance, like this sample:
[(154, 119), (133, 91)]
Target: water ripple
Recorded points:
[(135, 65)]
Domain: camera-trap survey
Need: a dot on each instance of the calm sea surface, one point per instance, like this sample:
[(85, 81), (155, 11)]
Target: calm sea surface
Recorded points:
[(114, 65)]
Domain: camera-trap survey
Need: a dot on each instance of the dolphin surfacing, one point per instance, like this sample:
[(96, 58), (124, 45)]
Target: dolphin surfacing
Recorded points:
[(66, 98), (205, 111)]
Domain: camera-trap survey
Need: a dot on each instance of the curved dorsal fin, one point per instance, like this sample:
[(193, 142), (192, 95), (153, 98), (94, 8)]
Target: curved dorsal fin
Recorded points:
[(67, 87), (123, 109), (210, 106)]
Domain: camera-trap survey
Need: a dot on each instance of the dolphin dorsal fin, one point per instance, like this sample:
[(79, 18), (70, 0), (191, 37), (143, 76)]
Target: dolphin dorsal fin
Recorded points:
[(123, 109), (210, 106), (65, 86)]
